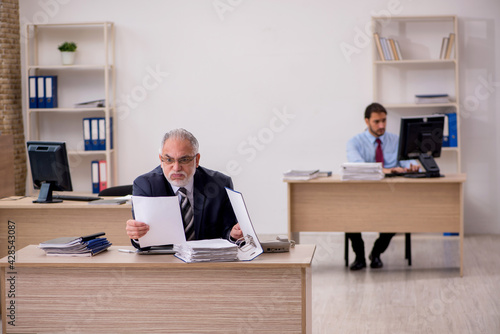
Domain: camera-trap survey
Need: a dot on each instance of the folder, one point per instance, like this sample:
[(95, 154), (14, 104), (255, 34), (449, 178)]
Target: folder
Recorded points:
[(40, 84), (50, 91), (33, 92), (102, 134), (103, 180), (86, 134), (111, 132), (95, 176), (94, 133), (452, 127)]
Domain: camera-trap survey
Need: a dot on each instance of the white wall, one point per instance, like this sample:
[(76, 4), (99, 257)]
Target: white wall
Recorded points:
[(264, 86)]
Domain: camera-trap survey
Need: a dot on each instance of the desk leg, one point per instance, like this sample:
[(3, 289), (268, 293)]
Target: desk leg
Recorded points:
[(461, 229)]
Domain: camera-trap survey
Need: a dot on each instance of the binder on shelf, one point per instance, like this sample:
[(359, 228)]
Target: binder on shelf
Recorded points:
[(86, 134), (94, 133), (452, 129), (444, 46), (393, 49), (103, 178), (446, 132), (33, 92), (50, 91), (40, 84), (95, 176), (102, 134)]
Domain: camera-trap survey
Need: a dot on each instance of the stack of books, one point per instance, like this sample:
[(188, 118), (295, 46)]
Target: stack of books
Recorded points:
[(300, 174), (216, 250), (387, 48), (361, 171), (89, 245), (447, 46)]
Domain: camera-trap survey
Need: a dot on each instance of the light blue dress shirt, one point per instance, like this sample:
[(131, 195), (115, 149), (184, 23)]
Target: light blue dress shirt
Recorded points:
[(361, 148)]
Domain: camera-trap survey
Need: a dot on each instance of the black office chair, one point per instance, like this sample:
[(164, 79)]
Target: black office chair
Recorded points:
[(117, 191), (407, 249)]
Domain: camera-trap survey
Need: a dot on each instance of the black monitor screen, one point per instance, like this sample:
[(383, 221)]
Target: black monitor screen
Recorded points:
[(49, 168), (422, 138)]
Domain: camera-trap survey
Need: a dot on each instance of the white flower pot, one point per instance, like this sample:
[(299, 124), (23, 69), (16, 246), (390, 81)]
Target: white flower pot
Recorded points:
[(68, 58)]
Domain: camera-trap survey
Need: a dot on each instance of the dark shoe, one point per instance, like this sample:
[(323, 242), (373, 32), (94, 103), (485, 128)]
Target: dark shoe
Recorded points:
[(358, 264), (376, 262)]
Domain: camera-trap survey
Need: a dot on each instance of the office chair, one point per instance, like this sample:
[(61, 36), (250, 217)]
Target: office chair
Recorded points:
[(407, 249), (117, 191)]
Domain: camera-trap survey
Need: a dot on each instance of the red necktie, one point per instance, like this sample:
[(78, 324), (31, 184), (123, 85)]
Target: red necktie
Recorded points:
[(379, 155)]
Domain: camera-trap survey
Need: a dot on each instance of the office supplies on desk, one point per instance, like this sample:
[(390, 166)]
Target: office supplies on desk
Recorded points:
[(207, 250), (361, 171), (76, 198), (300, 174), (249, 245), (114, 201), (89, 245)]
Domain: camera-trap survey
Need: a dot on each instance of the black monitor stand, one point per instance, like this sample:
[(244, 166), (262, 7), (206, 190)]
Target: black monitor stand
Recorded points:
[(429, 164), (45, 195)]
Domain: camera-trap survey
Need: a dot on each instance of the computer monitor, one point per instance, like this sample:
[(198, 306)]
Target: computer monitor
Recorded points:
[(49, 169), (421, 138)]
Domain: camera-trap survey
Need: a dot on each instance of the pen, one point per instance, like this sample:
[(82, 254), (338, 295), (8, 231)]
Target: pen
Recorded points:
[(126, 250)]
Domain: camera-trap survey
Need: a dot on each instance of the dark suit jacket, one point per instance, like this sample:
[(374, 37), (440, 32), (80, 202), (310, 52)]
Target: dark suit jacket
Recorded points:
[(213, 214)]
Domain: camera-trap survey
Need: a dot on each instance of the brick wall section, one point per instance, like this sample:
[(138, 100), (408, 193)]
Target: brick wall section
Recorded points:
[(11, 112)]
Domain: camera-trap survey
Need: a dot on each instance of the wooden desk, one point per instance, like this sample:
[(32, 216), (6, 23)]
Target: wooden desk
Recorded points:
[(395, 204), (35, 223), (117, 292)]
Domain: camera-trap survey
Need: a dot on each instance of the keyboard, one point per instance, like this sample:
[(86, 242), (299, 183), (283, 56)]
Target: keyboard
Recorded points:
[(76, 198), (411, 175)]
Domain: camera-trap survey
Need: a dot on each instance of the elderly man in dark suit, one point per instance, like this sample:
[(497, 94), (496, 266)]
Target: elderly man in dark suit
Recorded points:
[(180, 174)]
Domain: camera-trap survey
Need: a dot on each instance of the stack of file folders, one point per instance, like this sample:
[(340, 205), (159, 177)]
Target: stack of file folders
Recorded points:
[(217, 250), (361, 171), (89, 245)]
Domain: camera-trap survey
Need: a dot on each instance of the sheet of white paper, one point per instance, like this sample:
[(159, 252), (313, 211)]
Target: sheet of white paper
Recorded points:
[(247, 252), (163, 215)]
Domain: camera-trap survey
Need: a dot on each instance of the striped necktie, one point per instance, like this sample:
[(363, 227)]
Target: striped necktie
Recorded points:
[(187, 214)]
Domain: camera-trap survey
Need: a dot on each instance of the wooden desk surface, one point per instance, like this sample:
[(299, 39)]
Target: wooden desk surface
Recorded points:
[(20, 202), (448, 178), (31, 256)]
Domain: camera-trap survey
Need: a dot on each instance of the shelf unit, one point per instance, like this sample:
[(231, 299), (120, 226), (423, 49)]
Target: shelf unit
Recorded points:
[(91, 77), (421, 71)]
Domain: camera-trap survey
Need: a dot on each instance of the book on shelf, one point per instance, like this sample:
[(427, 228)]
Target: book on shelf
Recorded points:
[(449, 47), (295, 174), (432, 98), (89, 245), (450, 130), (91, 104), (444, 45), (387, 48), (379, 46)]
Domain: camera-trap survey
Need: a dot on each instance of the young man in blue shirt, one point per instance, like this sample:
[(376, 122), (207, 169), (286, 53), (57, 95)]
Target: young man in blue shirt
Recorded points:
[(375, 145)]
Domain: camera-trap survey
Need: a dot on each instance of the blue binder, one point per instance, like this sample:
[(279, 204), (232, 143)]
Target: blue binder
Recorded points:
[(452, 126), (50, 91), (94, 133), (33, 92), (40, 85), (95, 176), (86, 134), (102, 134)]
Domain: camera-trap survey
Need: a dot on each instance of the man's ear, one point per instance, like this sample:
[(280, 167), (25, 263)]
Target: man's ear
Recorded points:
[(197, 160)]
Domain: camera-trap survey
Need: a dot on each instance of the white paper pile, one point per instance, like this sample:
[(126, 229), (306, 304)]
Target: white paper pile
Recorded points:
[(361, 171), (206, 250)]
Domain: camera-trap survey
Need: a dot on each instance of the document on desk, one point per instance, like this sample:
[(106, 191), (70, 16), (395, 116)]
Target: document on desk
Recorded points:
[(163, 215)]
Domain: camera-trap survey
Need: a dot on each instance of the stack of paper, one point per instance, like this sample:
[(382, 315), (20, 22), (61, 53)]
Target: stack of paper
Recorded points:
[(300, 174), (361, 171), (76, 246), (206, 250)]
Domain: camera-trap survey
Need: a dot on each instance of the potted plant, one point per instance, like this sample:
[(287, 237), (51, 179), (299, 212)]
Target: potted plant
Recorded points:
[(68, 50)]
